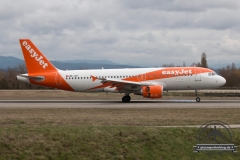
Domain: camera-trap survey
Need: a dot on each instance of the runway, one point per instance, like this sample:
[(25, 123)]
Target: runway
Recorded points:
[(115, 104)]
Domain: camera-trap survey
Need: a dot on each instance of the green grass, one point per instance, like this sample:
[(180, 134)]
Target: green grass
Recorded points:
[(20, 141), (108, 133)]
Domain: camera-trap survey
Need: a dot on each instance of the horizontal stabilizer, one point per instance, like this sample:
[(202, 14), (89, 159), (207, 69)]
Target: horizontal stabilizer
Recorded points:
[(26, 77)]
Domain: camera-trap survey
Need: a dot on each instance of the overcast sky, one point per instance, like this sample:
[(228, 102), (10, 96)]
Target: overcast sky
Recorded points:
[(134, 32)]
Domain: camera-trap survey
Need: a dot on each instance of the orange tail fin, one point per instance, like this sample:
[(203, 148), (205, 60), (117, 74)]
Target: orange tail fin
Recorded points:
[(35, 61)]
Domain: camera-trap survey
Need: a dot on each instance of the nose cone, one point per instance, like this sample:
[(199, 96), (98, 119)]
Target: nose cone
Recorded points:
[(222, 81)]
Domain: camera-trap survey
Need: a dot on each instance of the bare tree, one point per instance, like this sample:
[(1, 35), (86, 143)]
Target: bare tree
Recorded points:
[(204, 60), (3, 84), (196, 64), (184, 64), (231, 74), (168, 65)]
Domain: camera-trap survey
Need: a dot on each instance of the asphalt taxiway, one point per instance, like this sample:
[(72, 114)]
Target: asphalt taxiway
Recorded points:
[(118, 104)]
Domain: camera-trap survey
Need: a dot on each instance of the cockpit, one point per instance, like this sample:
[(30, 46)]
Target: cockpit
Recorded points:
[(212, 74)]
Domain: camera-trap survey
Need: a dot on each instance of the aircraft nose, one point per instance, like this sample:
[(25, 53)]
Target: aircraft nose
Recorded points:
[(222, 81)]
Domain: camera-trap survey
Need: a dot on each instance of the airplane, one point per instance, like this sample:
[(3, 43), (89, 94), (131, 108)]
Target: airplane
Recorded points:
[(148, 82)]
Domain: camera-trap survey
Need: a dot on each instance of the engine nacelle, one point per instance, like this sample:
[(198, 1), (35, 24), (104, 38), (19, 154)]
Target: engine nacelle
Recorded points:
[(152, 91)]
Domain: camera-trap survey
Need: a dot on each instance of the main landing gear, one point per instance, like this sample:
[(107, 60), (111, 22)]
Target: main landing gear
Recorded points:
[(126, 98), (198, 98)]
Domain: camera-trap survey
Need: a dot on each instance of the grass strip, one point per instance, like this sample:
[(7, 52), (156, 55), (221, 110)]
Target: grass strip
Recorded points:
[(103, 142)]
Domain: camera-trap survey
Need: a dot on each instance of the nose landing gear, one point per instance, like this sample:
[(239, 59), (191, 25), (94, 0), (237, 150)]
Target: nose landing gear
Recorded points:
[(198, 99)]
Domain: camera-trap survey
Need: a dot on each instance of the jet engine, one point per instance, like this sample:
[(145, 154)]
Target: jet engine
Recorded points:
[(152, 91)]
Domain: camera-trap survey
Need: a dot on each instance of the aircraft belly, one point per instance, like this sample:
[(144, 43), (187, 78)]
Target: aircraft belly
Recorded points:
[(181, 85)]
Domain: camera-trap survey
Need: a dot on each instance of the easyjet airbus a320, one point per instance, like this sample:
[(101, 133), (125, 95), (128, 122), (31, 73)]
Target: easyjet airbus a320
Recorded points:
[(148, 82)]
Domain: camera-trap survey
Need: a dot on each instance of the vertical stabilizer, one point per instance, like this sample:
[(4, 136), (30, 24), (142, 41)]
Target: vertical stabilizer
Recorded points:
[(35, 61)]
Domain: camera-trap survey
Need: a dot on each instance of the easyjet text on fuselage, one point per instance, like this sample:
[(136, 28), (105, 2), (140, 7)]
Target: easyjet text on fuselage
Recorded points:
[(177, 72)]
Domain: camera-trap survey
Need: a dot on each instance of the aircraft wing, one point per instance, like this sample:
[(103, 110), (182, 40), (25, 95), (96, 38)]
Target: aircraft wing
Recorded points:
[(115, 81), (119, 83)]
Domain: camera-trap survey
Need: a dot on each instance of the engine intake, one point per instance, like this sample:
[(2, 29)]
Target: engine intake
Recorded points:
[(152, 91)]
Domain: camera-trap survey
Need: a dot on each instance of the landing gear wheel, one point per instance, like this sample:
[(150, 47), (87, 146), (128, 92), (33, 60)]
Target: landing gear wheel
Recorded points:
[(198, 99), (126, 98)]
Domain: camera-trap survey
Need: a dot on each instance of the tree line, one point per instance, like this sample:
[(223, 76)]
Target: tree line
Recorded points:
[(232, 75), (8, 77)]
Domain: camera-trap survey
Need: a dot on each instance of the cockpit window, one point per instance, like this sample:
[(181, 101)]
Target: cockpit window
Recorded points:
[(212, 73)]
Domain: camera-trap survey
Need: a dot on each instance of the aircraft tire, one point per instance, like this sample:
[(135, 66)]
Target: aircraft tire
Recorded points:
[(198, 99), (129, 98), (126, 99)]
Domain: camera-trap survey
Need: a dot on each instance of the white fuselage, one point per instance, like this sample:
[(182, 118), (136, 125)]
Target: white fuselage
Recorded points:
[(81, 80)]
